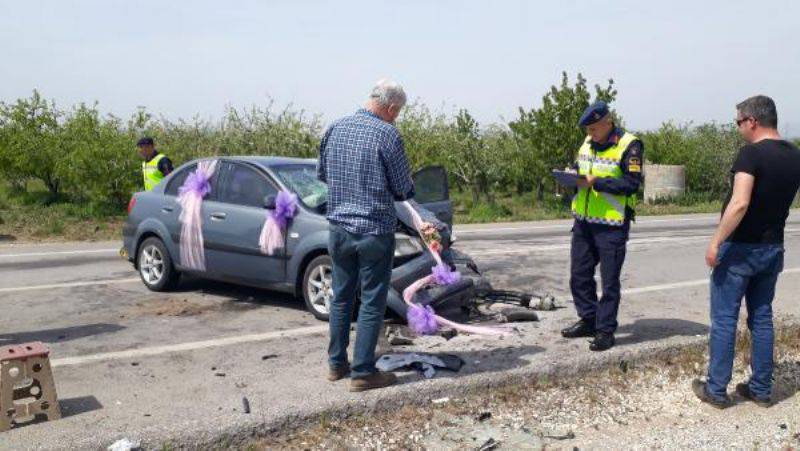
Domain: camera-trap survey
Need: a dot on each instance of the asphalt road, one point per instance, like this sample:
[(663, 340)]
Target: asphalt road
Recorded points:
[(158, 367)]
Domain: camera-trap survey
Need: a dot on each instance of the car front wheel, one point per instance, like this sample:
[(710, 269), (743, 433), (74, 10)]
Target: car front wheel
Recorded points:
[(155, 266), (318, 287)]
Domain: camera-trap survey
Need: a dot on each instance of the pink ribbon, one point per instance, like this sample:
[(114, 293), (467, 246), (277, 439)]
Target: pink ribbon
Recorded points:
[(190, 197), (423, 320)]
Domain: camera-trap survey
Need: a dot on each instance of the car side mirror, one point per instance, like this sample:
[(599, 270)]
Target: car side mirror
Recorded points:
[(269, 202)]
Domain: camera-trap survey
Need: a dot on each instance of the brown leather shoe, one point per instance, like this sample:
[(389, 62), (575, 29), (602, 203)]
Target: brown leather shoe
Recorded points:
[(334, 374), (374, 380), (744, 391)]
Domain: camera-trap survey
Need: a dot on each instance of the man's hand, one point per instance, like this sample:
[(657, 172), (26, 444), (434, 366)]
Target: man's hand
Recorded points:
[(711, 253), (587, 182)]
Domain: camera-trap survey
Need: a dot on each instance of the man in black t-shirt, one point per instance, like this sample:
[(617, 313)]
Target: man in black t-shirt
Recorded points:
[(746, 252)]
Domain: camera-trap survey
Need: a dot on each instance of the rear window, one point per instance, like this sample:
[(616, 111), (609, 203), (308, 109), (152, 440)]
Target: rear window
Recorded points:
[(177, 180)]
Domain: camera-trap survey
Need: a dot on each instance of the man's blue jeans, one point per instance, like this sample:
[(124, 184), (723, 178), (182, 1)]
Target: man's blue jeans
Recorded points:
[(749, 271), (363, 261)]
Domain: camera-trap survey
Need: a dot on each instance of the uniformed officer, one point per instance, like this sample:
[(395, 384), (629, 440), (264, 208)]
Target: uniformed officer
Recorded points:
[(610, 160), (155, 166)]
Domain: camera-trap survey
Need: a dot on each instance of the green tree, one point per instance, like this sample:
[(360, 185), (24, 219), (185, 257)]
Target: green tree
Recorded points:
[(548, 136), (706, 152), (427, 136), (478, 157), (103, 167), (30, 143)]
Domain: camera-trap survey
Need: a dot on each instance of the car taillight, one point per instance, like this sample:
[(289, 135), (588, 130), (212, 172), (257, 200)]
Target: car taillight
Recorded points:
[(131, 204)]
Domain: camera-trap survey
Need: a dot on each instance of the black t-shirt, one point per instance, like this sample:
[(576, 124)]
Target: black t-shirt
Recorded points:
[(775, 164)]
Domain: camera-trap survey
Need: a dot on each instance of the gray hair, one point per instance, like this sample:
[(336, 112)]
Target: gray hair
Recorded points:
[(760, 108), (388, 92)]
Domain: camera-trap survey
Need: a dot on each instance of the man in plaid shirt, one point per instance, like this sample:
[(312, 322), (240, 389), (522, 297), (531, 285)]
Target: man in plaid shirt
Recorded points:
[(363, 161)]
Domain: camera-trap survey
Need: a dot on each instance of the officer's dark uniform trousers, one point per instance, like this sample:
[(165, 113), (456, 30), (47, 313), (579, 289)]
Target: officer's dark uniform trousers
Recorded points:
[(593, 244)]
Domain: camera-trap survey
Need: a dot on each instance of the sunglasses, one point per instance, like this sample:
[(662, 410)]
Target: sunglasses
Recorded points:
[(740, 121)]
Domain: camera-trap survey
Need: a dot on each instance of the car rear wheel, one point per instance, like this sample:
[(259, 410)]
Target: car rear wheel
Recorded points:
[(318, 287), (155, 266)]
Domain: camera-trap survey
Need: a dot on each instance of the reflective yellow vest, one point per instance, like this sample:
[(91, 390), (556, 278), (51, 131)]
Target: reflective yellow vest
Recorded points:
[(593, 206), (152, 176)]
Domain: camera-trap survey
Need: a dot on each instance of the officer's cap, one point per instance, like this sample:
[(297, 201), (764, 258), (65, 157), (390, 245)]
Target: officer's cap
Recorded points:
[(593, 113), (146, 141)]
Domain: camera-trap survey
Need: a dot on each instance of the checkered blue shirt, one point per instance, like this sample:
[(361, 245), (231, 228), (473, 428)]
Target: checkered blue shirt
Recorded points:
[(363, 161)]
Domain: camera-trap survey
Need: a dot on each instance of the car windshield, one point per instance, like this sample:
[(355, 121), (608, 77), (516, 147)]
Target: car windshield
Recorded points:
[(302, 179)]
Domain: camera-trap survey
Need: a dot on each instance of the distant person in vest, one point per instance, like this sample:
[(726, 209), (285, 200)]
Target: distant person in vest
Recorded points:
[(610, 163), (156, 166)]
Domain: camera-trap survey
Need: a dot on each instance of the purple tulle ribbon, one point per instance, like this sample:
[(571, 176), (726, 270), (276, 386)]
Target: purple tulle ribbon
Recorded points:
[(285, 208), (197, 183), (272, 234), (422, 319), (443, 276), (190, 197)]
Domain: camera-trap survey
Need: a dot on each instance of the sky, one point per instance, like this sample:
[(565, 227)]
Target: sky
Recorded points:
[(678, 60)]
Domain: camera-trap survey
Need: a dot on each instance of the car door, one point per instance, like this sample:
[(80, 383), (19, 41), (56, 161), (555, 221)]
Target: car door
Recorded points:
[(433, 192), (232, 227), (171, 210)]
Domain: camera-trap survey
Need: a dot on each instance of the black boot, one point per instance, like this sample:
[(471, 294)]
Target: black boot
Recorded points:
[(602, 341), (580, 329)]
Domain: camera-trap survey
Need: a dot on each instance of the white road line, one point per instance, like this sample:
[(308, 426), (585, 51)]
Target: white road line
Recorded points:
[(459, 231), (686, 284), (567, 226), (42, 254), (69, 285), (190, 346), (633, 243), (565, 246)]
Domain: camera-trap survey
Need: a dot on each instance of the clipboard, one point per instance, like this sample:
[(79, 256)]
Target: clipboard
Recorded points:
[(567, 179)]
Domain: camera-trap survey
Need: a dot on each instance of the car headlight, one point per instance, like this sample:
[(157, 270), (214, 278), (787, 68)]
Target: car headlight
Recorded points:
[(406, 245)]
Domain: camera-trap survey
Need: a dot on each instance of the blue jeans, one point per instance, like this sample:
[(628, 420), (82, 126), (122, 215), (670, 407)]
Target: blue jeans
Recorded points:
[(749, 271), (358, 261)]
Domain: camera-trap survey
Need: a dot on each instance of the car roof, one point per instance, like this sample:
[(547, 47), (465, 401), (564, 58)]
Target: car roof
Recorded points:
[(267, 162), (273, 161)]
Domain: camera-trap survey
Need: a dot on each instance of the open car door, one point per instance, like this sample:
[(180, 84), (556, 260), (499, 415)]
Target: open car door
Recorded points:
[(433, 192)]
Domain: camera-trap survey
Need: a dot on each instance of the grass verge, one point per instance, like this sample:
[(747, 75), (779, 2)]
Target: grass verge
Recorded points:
[(33, 217)]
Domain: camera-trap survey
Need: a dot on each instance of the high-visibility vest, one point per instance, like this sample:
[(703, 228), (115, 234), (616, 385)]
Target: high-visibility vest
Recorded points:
[(594, 206), (152, 175)]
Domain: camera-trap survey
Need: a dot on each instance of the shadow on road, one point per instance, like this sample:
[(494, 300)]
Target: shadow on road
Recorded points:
[(76, 406), (60, 334), (248, 296), (69, 407), (787, 380), (652, 329), (483, 361)]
